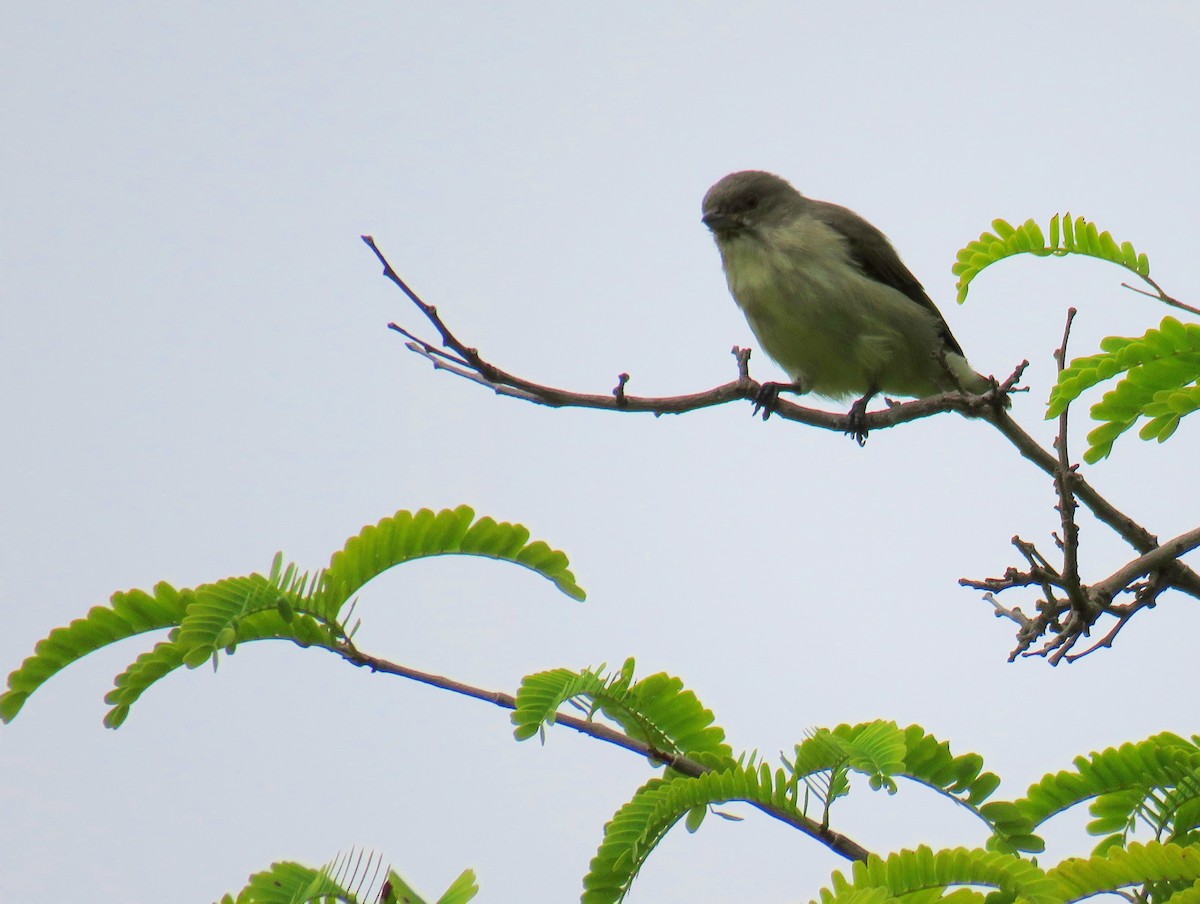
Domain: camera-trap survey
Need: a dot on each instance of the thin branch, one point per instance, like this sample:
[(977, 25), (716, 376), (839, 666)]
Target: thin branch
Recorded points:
[(499, 381), (1183, 577), (439, 362), (1159, 295), (1064, 480), (1146, 598), (835, 841), (1158, 558), (1014, 614), (468, 359)]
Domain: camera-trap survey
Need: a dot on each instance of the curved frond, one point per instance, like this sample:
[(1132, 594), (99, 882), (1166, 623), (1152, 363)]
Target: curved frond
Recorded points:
[(215, 612), (640, 824), (928, 760), (1170, 867), (288, 882), (656, 710), (884, 752), (1157, 779), (351, 877), (128, 614), (962, 779), (660, 712), (541, 694), (166, 657), (144, 671), (881, 896), (286, 604), (874, 749), (1067, 236), (906, 872), (461, 890), (1161, 370), (406, 535)]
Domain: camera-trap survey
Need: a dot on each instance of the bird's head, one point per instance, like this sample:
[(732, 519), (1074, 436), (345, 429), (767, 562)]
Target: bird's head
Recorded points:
[(744, 202)]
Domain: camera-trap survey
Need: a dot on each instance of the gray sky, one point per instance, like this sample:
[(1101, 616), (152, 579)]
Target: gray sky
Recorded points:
[(195, 373)]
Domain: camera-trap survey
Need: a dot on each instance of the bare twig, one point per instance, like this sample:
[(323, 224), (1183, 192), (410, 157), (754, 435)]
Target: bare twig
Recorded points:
[(743, 359), (1014, 614), (1184, 578), (619, 391), (835, 841), (1159, 295), (1145, 597)]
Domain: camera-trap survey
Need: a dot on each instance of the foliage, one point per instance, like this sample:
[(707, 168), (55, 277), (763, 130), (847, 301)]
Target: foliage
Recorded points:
[(911, 873), (883, 752), (640, 824), (656, 710), (1153, 785), (1067, 236), (1159, 370), (286, 604), (349, 878)]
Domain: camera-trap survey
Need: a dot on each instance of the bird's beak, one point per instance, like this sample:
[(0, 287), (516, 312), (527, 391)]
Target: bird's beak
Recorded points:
[(721, 223)]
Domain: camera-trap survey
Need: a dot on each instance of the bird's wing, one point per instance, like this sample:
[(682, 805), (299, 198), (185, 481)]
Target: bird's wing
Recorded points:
[(874, 254)]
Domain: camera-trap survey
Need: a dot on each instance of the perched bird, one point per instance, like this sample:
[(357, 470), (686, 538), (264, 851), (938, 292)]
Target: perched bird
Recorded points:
[(829, 299)]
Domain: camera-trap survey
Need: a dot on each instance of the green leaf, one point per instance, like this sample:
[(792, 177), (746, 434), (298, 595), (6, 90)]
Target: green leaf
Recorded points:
[(406, 536), (1067, 236), (461, 890), (1160, 372), (166, 657), (1176, 866), (913, 872), (287, 604), (128, 614), (287, 882), (349, 877), (1157, 780), (884, 753), (656, 710), (639, 825)]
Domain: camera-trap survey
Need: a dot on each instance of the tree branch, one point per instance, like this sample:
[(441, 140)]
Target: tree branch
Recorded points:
[(835, 841), (1084, 604), (1157, 559), (1064, 486)]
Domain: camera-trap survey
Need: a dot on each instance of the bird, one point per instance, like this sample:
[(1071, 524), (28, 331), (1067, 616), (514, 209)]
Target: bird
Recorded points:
[(829, 299)]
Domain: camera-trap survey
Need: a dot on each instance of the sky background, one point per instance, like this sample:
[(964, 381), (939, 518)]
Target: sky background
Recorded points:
[(196, 372)]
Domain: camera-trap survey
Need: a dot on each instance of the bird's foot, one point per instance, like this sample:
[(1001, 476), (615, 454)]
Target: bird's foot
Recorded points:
[(856, 419), (766, 399)]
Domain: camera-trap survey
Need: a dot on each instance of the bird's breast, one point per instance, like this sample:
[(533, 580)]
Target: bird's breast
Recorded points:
[(778, 277), (822, 319)]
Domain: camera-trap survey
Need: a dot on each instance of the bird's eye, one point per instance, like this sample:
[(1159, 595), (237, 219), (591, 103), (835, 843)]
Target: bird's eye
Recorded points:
[(751, 203)]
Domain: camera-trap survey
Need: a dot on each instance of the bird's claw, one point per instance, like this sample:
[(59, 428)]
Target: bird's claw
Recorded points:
[(766, 399), (856, 420)]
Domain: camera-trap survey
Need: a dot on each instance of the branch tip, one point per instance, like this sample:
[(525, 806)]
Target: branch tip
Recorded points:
[(619, 390)]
